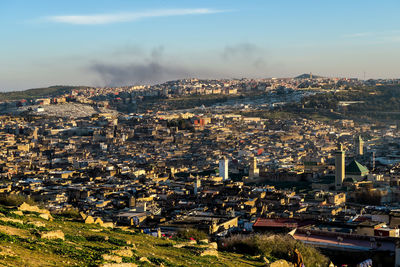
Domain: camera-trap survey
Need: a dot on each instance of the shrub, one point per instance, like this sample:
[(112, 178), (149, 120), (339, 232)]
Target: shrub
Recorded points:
[(15, 200), (242, 244), (111, 240), (191, 233), (275, 247), (96, 238), (116, 241), (75, 238), (70, 213)]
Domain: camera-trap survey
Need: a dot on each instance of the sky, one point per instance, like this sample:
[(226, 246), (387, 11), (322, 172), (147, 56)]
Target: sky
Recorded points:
[(127, 42)]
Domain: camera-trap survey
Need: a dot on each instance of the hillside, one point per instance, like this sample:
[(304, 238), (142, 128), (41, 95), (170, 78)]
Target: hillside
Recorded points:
[(307, 76), (23, 242), (38, 92), (36, 238)]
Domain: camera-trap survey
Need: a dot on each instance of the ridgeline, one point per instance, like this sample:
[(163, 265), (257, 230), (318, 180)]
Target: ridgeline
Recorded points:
[(38, 92)]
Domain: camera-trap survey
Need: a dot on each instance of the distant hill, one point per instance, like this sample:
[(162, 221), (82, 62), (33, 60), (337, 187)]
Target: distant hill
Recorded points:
[(307, 76), (38, 92)]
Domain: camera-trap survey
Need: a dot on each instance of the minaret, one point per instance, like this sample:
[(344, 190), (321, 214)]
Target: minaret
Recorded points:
[(197, 185), (254, 172), (359, 146), (339, 166), (35, 133), (373, 160), (224, 168)]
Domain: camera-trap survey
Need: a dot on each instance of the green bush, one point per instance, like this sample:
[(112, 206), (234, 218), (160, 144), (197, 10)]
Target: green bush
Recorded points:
[(8, 238), (116, 241), (191, 233), (70, 213), (96, 238), (75, 238), (111, 240), (243, 244), (274, 247), (15, 200)]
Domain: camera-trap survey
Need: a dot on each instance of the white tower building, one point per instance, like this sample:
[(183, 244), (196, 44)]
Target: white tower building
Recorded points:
[(197, 185), (359, 145), (339, 166), (223, 168)]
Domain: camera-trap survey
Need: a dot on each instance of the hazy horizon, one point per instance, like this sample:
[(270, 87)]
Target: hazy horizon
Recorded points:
[(104, 43)]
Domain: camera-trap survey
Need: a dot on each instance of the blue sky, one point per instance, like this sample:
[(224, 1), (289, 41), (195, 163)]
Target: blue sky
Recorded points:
[(117, 42)]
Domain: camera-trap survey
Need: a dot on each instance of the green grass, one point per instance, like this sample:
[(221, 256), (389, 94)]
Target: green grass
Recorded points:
[(274, 248), (85, 244)]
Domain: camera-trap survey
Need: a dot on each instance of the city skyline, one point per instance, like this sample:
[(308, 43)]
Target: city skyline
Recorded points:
[(104, 43)]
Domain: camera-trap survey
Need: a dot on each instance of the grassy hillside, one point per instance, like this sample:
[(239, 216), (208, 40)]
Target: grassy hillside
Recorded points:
[(91, 245), (38, 92), (23, 243)]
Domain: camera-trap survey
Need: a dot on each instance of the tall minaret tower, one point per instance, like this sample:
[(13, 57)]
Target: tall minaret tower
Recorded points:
[(197, 185), (254, 172), (359, 146), (339, 167), (35, 133), (224, 168)]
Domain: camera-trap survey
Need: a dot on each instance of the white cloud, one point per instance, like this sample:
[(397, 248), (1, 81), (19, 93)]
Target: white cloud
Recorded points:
[(126, 17), (358, 34)]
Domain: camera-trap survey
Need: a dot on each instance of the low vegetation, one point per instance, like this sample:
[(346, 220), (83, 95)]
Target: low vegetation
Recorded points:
[(273, 248), (27, 239), (192, 234), (23, 243), (15, 200)]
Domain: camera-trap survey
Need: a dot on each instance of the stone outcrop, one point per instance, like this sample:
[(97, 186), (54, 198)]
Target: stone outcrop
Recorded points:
[(112, 258), (125, 252), (5, 219), (209, 252), (281, 263), (32, 208), (119, 265), (44, 213), (57, 234), (17, 212), (37, 223), (212, 245), (144, 259), (45, 216), (88, 219)]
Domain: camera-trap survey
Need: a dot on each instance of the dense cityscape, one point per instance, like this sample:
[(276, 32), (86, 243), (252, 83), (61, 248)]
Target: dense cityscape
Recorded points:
[(199, 133), (331, 184)]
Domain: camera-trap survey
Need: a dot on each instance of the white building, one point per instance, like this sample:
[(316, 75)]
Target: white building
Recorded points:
[(197, 185), (339, 167), (223, 168)]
